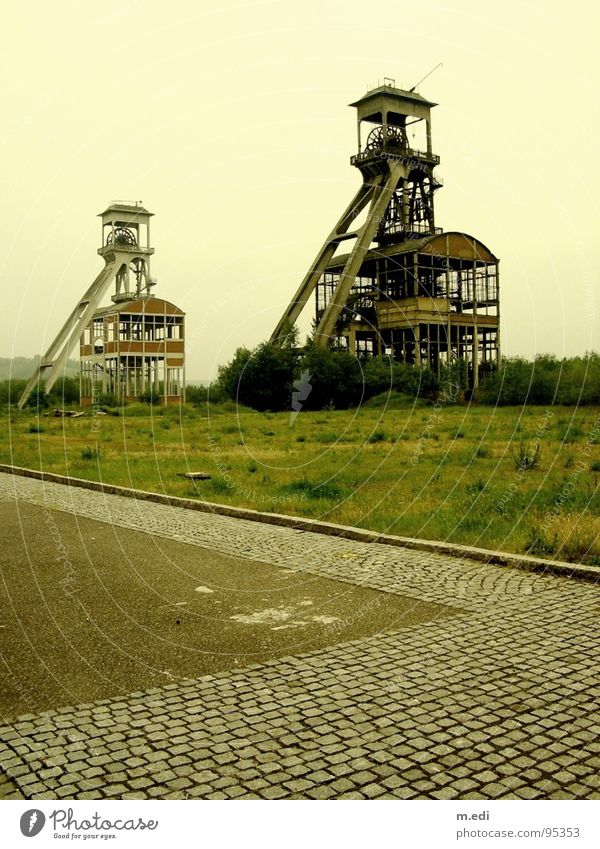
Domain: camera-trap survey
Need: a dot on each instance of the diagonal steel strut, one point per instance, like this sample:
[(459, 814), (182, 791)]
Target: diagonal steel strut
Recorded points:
[(53, 361), (379, 203), (306, 288)]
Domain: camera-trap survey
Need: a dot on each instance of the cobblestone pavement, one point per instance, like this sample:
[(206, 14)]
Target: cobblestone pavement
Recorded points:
[(497, 702)]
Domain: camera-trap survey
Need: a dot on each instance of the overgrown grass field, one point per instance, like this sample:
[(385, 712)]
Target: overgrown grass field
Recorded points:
[(515, 479)]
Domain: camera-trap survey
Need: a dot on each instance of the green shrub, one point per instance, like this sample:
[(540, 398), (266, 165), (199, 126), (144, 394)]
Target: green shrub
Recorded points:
[(526, 458), (546, 380), (567, 536), (220, 485), (476, 487), (198, 395), (393, 401), (90, 452), (454, 379), (415, 382), (108, 399), (317, 491), (139, 410), (570, 433), (540, 544), (327, 437), (64, 392), (378, 373), (150, 396)]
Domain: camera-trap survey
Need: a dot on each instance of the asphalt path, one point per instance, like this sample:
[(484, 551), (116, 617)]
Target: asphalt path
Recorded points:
[(89, 610)]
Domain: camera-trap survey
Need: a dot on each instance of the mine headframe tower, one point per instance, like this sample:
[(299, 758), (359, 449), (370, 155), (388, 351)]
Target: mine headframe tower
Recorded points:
[(406, 288), (136, 344)]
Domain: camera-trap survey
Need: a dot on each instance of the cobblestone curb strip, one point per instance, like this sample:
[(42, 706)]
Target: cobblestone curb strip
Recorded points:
[(499, 558)]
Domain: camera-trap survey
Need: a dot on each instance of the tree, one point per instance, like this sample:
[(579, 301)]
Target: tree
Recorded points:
[(335, 376), (66, 390), (378, 375), (509, 385), (262, 378)]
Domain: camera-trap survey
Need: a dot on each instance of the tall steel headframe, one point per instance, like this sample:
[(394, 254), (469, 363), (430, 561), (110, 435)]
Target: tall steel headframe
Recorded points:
[(405, 288), (398, 187), (126, 252)]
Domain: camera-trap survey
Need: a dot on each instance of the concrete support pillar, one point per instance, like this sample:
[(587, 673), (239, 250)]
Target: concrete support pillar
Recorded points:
[(428, 346), (475, 331), (415, 275), (405, 206), (417, 333), (351, 340)]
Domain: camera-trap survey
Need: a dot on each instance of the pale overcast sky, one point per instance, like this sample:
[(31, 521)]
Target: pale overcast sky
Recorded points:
[(230, 121)]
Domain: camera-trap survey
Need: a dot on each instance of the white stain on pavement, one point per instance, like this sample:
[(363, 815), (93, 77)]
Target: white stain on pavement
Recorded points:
[(284, 616)]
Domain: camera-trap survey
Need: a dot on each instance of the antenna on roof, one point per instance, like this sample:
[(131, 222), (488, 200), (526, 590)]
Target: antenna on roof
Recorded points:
[(426, 75)]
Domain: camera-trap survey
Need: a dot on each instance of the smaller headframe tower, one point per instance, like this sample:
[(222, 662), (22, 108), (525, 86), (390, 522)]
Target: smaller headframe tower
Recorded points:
[(136, 344), (406, 288)]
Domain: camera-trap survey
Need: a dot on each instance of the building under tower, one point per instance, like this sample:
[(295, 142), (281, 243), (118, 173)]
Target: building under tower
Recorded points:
[(387, 280)]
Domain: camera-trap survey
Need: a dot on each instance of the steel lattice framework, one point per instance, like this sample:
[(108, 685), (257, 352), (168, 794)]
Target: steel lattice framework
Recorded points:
[(406, 288)]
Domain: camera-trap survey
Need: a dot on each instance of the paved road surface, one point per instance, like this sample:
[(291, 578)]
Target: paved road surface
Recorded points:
[(152, 651)]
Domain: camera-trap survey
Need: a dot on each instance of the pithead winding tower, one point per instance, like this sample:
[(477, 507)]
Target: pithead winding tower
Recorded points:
[(406, 288), (132, 347)]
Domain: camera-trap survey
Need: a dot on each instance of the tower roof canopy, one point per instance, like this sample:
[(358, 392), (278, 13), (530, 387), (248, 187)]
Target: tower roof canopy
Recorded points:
[(133, 208), (148, 305), (450, 244), (392, 91), (396, 103)]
